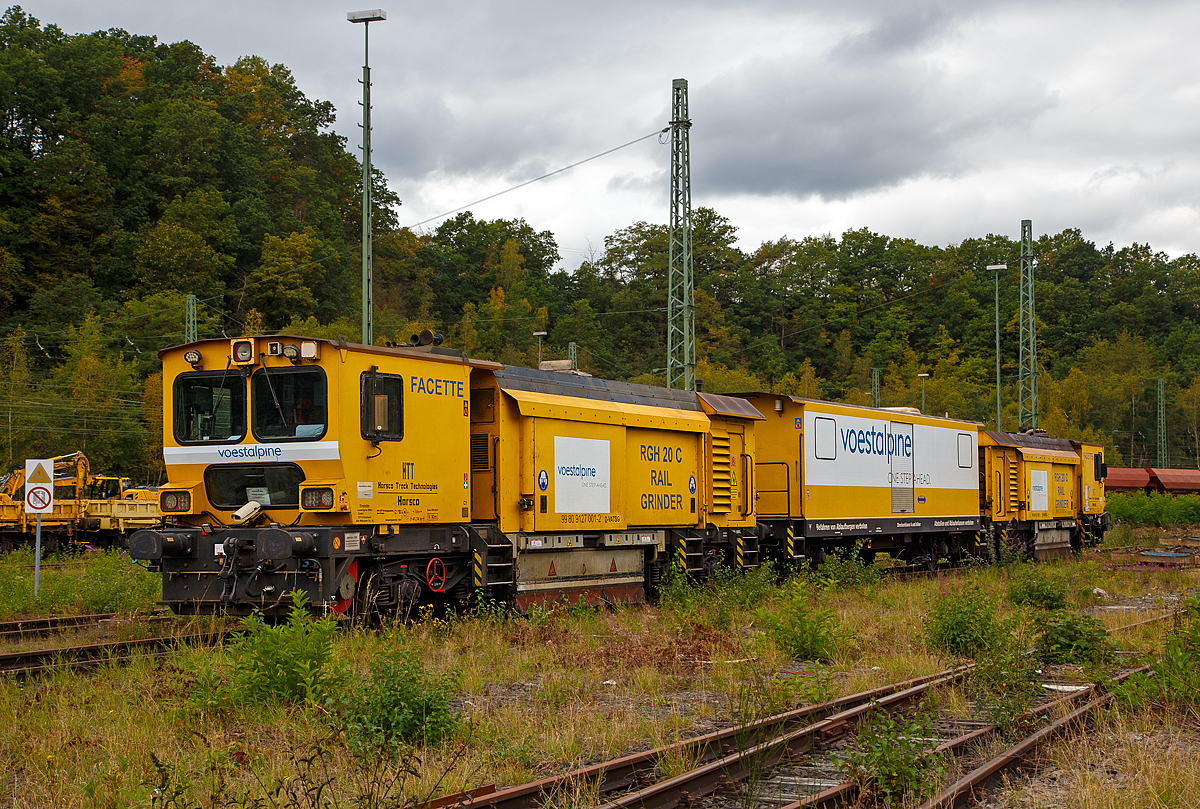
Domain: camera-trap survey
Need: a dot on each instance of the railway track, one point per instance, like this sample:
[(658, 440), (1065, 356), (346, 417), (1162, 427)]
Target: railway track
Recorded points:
[(804, 726), (785, 744), (46, 625), (24, 663)]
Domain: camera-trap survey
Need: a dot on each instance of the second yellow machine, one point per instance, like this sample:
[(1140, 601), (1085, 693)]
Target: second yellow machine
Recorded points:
[(376, 478)]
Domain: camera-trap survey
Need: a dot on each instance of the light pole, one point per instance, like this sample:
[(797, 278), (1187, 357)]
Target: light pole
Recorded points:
[(366, 18), (997, 268), (539, 335), (923, 378)]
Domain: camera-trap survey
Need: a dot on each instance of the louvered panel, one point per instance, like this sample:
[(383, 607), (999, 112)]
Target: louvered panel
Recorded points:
[(1014, 485), (722, 473), (480, 462)]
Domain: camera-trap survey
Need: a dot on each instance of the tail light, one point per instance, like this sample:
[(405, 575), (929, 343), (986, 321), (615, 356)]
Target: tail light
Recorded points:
[(176, 502), (316, 498)]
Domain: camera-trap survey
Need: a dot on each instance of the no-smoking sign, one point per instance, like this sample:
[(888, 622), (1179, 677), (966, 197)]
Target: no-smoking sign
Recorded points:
[(39, 486)]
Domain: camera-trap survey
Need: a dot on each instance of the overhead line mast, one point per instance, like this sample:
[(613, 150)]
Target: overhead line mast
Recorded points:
[(681, 312), (1027, 376)]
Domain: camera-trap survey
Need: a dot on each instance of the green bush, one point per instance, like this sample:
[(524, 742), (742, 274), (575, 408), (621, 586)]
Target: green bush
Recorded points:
[(891, 756), (1064, 637), (715, 601), (962, 623), (1033, 588), (844, 567), (1154, 509), (1176, 680), (284, 663), (799, 630), (1004, 684), (399, 704)]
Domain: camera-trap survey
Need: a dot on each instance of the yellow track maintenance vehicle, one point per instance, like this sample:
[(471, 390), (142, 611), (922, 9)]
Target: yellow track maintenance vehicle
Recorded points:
[(377, 478), (835, 476), (1042, 495)]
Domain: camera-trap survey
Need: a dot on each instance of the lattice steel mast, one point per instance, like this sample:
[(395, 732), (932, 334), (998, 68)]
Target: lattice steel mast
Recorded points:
[(681, 318), (1027, 385), (1162, 424)]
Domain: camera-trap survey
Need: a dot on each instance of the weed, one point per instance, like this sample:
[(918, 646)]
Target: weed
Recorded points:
[(1177, 673), (284, 663), (1034, 588), (845, 567), (799, 630), (1004, 684), (892, 757), (399, 704), (1064, 637), (962, 623)]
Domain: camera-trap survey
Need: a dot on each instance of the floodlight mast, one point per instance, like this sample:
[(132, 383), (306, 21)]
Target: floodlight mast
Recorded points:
[(368, 303)]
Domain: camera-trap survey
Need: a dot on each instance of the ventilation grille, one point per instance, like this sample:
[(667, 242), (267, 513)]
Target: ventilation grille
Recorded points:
[(722, 473), (480, 462)]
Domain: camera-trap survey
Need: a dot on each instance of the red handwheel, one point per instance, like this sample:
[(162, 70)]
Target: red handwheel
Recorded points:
[(435, 575)]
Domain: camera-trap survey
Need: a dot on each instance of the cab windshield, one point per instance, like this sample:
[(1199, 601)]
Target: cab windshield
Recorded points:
[(210, 408), (288, 404)]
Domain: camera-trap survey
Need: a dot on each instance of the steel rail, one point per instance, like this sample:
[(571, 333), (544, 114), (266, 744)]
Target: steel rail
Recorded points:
[(718, 774), (89, 655), (54, 623), (962, 791), (634, 769)]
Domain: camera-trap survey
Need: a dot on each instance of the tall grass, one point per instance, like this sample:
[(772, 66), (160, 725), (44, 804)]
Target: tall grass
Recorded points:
[(103, 582)]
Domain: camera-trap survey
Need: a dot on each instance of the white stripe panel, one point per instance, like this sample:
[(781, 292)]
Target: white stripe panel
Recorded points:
[(252, 453)]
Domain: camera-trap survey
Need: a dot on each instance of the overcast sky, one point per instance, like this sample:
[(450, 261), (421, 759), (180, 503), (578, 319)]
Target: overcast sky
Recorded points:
[(936, 120)]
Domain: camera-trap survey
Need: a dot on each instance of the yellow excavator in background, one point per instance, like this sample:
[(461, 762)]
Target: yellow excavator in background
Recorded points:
[(88, 509)]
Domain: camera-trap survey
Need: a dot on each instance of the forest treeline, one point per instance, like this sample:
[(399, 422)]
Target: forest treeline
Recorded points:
[(133, 173)]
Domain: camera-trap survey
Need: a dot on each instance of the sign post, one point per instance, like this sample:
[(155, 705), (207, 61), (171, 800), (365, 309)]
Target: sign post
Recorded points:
[(39, 500)]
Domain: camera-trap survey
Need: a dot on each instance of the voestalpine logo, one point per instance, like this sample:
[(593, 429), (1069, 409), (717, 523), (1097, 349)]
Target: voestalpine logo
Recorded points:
[(876, 442), (252, 453)]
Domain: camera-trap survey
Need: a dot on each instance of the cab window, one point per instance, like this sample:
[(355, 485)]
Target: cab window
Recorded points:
[(382, 406), (233, 486), (288, 404), (210, 408)]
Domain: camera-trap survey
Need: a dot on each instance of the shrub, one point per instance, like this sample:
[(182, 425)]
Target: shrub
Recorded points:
[(399, 704), (891, 754), (1004, 684), (1035, 589), (799, 630), (1154, 509), (1177, 674), (286, 663), (715, 601), (844, 567), (1064, 637), (962, 623)]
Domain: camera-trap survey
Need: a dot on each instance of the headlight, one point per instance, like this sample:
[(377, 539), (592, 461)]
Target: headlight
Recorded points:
[(243, 351), (316, 498), (176, 501)]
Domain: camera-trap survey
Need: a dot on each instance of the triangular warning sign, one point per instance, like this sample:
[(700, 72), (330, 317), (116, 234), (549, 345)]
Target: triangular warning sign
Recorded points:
[(551, 573), (612, 568), (39, 475)]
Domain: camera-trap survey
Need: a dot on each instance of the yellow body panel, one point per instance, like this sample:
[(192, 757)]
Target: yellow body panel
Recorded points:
[(1091, 489), (794, 483)]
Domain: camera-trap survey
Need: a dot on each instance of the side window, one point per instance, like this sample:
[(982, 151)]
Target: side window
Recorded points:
[(382, 406), (209, 408), (966, 457), (825, 443)]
